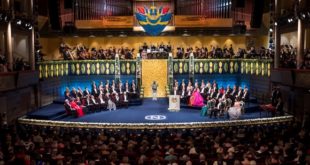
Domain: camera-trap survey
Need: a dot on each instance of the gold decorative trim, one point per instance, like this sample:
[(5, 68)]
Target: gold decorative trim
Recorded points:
[(184, 125)]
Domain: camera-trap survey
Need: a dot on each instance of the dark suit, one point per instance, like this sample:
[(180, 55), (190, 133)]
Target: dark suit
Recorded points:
[(240, 93), (204, 91), (245, 96), (228, 91), (95, 92), (73, 94), (234, 93)]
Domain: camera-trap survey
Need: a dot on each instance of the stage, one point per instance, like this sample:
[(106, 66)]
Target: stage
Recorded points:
[(151, 114)]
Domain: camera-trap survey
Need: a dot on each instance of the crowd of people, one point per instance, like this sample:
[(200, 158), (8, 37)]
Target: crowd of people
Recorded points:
[(19, 64), (284, 143), (162, 51), (81, 52), (110, 94), (225, 52), (217, 100), (288, 57)]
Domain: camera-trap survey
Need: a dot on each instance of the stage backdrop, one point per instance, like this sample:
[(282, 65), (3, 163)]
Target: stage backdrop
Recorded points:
[(154, 70)]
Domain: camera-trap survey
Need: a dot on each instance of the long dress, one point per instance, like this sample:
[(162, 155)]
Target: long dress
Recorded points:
[(235, 111), (196, 99), (204, 111), (79, 110)]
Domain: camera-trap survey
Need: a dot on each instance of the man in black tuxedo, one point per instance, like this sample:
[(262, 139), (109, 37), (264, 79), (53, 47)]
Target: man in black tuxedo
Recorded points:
[(234, 92), (245, 95), (228, 90), (86, 95), (175, 90), (73, 93), (240, 92), (94, 90)]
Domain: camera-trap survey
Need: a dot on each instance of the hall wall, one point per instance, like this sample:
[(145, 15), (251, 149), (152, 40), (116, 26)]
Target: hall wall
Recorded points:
[(51, 44)]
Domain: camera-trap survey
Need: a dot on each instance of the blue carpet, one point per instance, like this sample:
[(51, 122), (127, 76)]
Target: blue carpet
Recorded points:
[(48, 112), (136, 114)]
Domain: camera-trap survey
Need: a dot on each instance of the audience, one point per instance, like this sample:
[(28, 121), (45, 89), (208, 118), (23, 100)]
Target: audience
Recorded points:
[(281, 143), (288, 57), (109, 94), (19, 64), (3, 62), (81, 52), (218, 101), (161, 51)]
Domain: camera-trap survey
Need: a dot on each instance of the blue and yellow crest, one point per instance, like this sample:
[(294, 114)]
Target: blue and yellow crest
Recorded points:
[(153, 20)]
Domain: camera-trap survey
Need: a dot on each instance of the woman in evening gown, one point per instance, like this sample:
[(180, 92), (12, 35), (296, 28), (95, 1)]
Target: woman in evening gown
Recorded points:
[(196, 99), (75, 106)]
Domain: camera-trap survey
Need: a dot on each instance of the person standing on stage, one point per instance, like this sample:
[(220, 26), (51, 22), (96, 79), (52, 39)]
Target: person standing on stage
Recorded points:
[(154, 90)]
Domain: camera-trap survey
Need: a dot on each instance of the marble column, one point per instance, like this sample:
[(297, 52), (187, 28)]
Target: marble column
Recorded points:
[(8, 38), (300, 41), (31, 38), (277, 35)]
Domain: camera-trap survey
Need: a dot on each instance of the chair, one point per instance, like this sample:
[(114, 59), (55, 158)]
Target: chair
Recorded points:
[(70, 111)]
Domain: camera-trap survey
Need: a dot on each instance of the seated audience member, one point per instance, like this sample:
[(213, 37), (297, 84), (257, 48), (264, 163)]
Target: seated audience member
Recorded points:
[(234, 92), (213, 92), (196, 99), (220, 93), (111, 104), (94, 90), (73, 93), (245, 95), (203, 89), (221, 107), (67, 93), (67, 106), (86, 96), (125, 95), (212, 110), (228, 90), (236, 111), (79, 93), (101, 99), (252, 52), (79, 110), (120, 88), (93, 100), (175, 91), (240, 92), (133, 87), (183, 92)]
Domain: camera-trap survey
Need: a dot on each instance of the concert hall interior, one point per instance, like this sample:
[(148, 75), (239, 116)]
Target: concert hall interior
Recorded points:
[(155, 82)]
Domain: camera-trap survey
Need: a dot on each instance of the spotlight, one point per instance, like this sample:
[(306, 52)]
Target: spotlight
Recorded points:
[(18, 22), (275, 24), (270, 30)]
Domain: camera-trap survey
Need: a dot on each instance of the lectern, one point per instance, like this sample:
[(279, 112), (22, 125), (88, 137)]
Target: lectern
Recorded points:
[(174, 103)]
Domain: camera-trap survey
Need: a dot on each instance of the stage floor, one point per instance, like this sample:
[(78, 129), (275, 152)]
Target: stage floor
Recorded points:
[(149, 112), (149, 115)]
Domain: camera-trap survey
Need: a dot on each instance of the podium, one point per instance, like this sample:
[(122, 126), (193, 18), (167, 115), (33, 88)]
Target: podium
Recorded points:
[(174, 103)]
